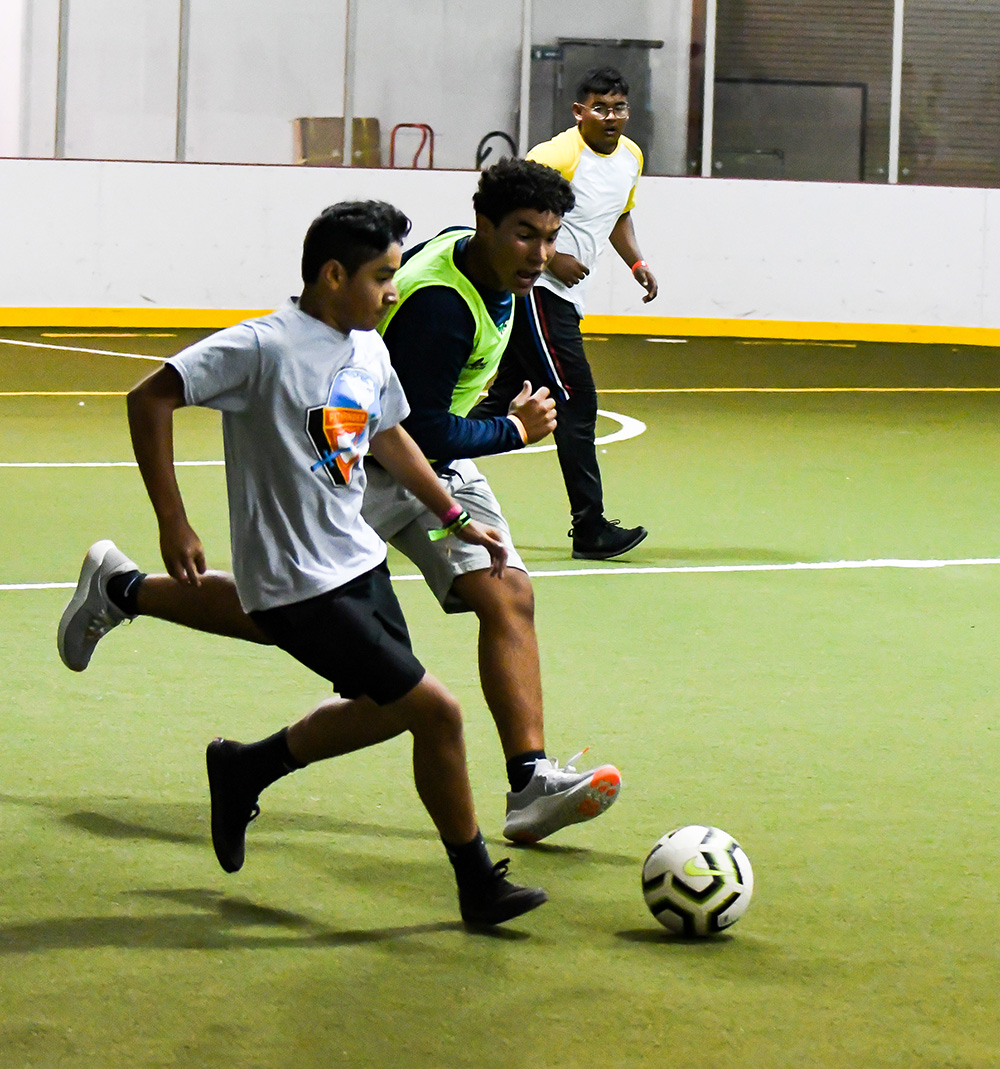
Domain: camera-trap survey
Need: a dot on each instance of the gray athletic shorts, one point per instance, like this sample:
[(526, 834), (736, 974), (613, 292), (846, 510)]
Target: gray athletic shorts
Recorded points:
[(403, 522)]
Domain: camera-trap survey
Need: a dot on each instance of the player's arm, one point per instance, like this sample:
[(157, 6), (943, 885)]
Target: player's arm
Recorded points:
[(430, 339), (151, 407), (397, 452), (562, 154), (625, 243), (533, 413), (567, 268)]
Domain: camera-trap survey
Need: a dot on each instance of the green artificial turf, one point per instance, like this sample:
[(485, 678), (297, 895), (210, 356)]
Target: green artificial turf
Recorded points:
[(840, 723)]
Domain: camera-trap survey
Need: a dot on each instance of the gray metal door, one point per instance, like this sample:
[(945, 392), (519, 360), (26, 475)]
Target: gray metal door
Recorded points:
[(557, 70)]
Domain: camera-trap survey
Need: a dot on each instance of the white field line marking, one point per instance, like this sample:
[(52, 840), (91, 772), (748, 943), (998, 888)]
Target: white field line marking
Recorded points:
[(91, 334), (62, 393), (778, 341), (678, 389), (77, 349), (630, 428), (805, 389), (802, 566), (612, 415), (105, 464)]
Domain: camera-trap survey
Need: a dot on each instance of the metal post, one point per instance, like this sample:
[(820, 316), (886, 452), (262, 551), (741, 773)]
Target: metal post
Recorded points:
[(350, 50), (896, 92), (525, 93), (24, 117), (708, 105), (183, 51), (62, 69)]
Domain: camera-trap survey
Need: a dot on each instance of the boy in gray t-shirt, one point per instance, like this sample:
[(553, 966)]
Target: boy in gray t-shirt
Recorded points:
[(306, 393)]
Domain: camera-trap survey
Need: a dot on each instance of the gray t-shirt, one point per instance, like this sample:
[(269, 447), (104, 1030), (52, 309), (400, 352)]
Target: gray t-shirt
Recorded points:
[(299, 403)]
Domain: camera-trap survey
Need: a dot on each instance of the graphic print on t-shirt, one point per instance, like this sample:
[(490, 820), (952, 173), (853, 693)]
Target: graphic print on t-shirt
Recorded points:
[(340, 429)]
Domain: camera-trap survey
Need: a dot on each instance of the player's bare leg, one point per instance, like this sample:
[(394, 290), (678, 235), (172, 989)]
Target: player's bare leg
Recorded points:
[(544, 796), (112, 590), (237, 774), (509, 668), (433, 718), (214, 606)]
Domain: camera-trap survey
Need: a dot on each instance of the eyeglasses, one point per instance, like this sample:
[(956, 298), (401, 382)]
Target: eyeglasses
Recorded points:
[(602, 111)]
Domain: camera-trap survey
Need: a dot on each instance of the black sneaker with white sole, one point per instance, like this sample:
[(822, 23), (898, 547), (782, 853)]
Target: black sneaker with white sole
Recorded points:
[(233, 807), (605, 539), (495, 899)]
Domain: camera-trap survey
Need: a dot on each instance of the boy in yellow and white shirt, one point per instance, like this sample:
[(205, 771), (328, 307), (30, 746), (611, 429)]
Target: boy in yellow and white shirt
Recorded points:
[(546, 346)]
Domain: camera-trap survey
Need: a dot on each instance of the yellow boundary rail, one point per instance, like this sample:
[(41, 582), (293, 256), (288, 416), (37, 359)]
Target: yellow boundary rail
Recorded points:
[(792, 330), (651, 326)]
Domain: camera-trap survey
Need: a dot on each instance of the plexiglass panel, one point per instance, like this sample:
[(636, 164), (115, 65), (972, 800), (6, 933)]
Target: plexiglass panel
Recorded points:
[(801, 88)]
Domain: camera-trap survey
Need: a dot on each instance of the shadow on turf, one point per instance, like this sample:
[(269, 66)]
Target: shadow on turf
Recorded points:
[(127, 819), (742, 945), (578, 853), (113, 828), (661, 936), (649, 554), (219, 922)]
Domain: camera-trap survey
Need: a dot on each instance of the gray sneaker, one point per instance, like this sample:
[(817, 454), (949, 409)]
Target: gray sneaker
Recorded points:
[(90, 615), (556, 797)]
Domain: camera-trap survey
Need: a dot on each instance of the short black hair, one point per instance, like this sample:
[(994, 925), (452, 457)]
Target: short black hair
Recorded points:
[(601, 80), (352, 233), (511, 184)]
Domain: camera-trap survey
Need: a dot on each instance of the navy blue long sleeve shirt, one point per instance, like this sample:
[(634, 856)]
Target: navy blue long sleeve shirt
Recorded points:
[(430, 340)]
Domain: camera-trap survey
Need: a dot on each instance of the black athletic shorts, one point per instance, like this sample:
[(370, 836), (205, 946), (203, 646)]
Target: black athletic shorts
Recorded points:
[(354, 636)]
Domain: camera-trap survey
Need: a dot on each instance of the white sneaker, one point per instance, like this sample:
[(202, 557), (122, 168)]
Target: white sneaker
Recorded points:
[(90, 615), (556, 797)]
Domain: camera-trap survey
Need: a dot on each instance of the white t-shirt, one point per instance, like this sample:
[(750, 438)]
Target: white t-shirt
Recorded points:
[(299, 403), (604, 187)]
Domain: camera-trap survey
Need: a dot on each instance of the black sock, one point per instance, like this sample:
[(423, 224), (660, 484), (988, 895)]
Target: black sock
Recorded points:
[(268, 760), (123, 591), (521, 768), (470, 861)]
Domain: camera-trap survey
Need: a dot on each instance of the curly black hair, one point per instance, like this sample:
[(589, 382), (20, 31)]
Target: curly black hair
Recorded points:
[(352, 233), (512, 184), (601, 80)]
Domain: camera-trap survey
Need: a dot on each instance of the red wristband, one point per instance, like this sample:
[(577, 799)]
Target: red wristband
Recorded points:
[(639, 263), (449, 517)]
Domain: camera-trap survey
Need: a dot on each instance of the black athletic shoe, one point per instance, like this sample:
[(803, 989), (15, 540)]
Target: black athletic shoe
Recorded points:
[(604, 539), (497, 899), (232, 807)]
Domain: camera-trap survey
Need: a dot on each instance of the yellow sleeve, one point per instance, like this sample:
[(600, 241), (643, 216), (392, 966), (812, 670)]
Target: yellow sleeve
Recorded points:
[(637, 152), (562, 153)]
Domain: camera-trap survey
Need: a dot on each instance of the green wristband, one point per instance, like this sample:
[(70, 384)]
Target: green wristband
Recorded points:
[(462, 520)]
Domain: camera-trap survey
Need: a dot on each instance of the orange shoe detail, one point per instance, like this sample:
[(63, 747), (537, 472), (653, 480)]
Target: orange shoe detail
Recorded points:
[(559, 797), (589, 807), (606, 777)]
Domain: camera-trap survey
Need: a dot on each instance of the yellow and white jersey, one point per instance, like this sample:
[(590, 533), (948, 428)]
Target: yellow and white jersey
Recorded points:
[(604, 187)]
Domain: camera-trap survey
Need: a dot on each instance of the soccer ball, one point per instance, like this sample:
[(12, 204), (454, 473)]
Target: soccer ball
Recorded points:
[(697, 880)]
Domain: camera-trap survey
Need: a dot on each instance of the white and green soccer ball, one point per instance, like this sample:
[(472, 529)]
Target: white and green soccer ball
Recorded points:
[(697, 880)]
